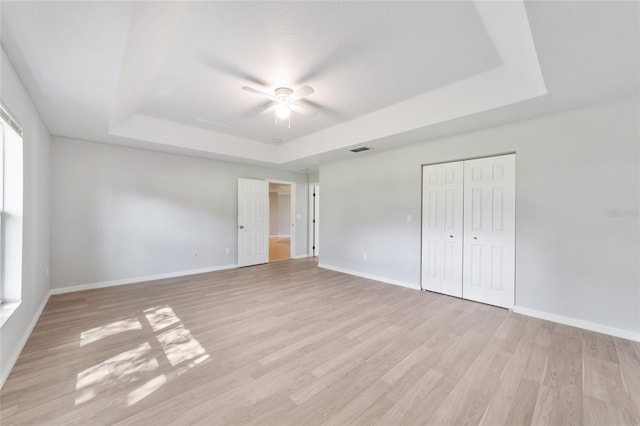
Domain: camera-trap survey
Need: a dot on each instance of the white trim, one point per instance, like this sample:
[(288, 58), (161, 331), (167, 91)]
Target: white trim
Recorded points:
[(300, 256), (370, 277), (16, 352), (6, 310), (310, 218), (280, 236), (4, 374), (136, 280), (586, 325)]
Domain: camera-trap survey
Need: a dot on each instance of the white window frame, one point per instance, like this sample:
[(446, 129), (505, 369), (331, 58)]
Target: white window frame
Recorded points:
[(2, 126), (10, 298)]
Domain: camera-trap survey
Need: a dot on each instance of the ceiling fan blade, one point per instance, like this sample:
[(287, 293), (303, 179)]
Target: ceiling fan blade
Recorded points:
[(302, 110), (302, 92), (270, 108), (258, 92)]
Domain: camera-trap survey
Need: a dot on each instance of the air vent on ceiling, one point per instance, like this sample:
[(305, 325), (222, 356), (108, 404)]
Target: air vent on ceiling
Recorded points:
[(362, 148)]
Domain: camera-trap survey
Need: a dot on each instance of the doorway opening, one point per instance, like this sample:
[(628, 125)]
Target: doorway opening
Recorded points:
[(281, 224)]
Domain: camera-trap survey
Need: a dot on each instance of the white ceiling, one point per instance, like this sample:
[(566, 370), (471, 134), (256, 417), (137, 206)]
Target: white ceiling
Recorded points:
[(167, 75), (216, 47)]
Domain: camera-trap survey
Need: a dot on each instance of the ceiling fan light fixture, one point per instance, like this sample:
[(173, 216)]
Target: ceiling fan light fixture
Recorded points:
[(284, 101), (283, 111)]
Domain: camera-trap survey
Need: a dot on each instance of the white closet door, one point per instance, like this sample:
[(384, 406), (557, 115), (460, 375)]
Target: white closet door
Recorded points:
[(489, 230), (442, 228)]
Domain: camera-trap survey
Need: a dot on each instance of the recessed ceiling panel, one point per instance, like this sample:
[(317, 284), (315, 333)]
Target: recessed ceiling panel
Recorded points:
[(358, 56)]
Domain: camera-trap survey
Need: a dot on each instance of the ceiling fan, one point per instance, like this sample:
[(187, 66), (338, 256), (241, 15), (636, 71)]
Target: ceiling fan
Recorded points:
[(285, 100)]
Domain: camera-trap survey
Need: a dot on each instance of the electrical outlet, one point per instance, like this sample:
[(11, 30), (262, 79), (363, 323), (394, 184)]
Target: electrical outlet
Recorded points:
[(409, 218), (227, 250), (365, 257)]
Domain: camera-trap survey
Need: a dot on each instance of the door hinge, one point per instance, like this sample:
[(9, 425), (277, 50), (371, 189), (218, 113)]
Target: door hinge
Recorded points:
[(314, 194), (314, 221), (314, 247)]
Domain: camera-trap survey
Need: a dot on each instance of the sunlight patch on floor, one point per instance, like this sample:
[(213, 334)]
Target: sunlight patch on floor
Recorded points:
[(146, 389), (181, 349), (126, 367), (94, 334), (161, 317), (179, 346), (190, 365)]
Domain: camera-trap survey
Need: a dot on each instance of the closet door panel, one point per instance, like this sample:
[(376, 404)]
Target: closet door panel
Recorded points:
[(489, 230), (442, 228)]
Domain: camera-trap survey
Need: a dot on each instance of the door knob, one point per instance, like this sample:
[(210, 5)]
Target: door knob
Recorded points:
[(240, 227), (475, 238), (450, 236)]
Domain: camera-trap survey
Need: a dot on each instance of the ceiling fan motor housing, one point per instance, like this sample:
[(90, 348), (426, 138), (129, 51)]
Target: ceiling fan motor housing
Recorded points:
[(283, 93)]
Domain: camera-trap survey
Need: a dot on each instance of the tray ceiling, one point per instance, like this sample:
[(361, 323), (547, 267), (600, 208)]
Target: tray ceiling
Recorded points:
[(167, 75)]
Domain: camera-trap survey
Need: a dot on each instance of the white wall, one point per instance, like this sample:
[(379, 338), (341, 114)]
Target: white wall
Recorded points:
[(121, 213), (284, 214), (36, 199), (273, 213), (575, 256), (280, 214)]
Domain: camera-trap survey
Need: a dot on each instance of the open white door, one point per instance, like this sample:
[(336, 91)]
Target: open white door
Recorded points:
[(253, 222), (489, 230), (442, 228)]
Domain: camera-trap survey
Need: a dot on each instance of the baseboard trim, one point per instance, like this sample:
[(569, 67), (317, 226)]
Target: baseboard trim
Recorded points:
[(136, 280), (369, 276), (586, 325), (13, 358), (300, 256)]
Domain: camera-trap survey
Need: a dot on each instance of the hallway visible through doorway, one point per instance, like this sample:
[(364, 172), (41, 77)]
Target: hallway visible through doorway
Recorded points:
[(280, 223), (279, 248)]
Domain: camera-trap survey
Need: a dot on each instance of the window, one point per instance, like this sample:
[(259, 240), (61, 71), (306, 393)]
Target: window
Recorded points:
[(2, 126), (11, 186)]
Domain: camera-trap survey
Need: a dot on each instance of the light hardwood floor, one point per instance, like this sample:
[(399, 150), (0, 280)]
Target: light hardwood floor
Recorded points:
[(290, 344), (279, 248)]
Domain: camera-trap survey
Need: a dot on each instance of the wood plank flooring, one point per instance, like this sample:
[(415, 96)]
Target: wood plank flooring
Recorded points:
[(279, 248), (290, 344)]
